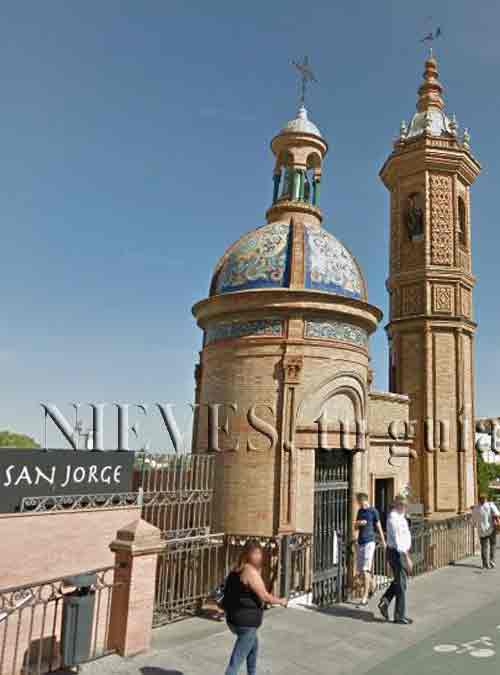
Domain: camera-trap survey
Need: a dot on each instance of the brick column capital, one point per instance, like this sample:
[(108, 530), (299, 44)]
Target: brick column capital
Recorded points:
[(138, 538)]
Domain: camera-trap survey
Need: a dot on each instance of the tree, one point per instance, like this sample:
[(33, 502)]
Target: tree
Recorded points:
[(9, 439), (486, 473)]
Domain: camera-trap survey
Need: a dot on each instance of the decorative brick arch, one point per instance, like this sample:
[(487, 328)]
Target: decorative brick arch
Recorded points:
[(344, 382)]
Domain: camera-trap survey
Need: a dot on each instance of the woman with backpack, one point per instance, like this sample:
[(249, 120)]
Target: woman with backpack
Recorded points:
[(244, 597)]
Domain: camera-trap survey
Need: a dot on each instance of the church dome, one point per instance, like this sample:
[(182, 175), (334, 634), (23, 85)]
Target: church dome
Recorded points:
[(262, 259), (301, 124)]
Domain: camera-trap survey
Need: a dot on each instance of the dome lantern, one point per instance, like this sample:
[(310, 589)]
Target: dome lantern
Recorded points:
[(299, 149)]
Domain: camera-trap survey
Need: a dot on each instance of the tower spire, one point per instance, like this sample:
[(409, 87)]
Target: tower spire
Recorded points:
[(431, 90)]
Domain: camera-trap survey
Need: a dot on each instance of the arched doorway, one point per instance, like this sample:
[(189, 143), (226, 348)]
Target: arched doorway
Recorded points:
[(340, 402)]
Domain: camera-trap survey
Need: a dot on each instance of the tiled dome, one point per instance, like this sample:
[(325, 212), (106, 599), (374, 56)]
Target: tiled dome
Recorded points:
[(261, 259)]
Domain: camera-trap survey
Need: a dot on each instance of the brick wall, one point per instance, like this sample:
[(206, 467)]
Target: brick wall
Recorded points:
[(43, 546)]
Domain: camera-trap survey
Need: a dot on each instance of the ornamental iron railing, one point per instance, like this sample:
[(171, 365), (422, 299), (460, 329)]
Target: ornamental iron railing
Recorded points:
[(188, 572), (31, 623), (178, 493), (296, 564), (271, 546), (79, 502), (286, 566), (191, 568), (435, 544)]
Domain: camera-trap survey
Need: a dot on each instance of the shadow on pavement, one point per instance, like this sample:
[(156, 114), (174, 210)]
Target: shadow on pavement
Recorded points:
[(153, 670), (476, 567), (211, 614), (350, 613)]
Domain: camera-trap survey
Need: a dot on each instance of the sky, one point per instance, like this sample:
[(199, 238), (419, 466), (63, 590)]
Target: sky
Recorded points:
[(135, 149)]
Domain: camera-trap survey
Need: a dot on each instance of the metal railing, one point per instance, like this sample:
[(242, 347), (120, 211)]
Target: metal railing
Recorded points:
[(296, 564), (177, 496), (188, 572), (31, 623), (80, 502), (286, 567), (435, 544), (234, 544)]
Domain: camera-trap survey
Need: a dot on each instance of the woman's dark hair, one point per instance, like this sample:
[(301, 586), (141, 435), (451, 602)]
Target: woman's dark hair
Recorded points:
[(244, 557)]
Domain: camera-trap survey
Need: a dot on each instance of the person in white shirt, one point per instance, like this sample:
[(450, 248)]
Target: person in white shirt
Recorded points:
[(398, 556), (485, 515)]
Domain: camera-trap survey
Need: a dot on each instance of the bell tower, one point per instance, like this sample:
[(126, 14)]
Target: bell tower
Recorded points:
[(431, 328)]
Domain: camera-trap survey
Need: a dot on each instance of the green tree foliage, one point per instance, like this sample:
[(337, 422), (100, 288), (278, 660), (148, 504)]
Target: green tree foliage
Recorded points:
[(9, 439), (486, 474)]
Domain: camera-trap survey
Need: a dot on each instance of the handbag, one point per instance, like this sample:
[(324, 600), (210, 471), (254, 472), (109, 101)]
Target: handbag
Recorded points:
[(219, 595), (496, 520)]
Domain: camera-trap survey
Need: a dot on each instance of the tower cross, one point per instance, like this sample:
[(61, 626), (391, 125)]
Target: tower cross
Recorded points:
[(306, 75)]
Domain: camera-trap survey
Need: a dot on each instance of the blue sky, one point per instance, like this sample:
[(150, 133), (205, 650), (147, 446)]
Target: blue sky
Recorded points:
[(135, 149)]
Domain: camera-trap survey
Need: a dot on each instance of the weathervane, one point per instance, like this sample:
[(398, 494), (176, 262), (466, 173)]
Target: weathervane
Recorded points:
[(432, 36), (306, 75)]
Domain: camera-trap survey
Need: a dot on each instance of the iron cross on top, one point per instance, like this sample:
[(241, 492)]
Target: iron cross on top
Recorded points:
[(306, 75)]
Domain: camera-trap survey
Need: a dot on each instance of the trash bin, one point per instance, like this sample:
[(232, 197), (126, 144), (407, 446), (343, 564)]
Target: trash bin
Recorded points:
[(78, 619)]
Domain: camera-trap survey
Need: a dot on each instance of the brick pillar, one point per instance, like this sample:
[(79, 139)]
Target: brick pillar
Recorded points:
[(136, 550)]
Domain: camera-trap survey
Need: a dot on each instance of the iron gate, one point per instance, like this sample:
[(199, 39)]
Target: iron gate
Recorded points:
[(177, 494), (332, 522), (188, 571)]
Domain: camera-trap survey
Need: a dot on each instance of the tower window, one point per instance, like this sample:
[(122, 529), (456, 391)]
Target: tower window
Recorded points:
[(462, 222), (312, 178), (283, 177), (288, 183), (415, 217)]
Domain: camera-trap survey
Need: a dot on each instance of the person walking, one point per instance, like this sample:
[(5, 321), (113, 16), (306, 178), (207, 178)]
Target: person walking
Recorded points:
[(398, 556), (486, 516), (367, 524), (243, 603)]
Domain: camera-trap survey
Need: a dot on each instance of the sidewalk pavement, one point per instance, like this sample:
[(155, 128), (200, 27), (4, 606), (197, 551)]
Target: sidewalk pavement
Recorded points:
[(343, 638)]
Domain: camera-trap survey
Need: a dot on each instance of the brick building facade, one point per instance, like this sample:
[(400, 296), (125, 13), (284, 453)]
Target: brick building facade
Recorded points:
[(286, 338), (286, 350)]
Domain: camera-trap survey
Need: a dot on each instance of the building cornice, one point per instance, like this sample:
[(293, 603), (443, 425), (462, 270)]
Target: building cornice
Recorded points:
[(430, 274), (428, 153), (285, 302), (431, 323)]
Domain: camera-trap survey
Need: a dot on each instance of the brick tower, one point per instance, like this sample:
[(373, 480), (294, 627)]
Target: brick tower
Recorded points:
[(431, 328)]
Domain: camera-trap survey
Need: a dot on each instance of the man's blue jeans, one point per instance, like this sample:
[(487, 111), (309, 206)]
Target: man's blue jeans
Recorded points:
[(399, 584), (246, 647)]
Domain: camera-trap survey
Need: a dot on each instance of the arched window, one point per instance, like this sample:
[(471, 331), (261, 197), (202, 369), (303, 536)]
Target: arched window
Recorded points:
[(286, 166), (312, 178), (462, 222), (415, 216)]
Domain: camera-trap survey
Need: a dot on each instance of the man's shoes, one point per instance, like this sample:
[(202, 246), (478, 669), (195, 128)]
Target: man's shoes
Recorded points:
[(486, 567), (383, 608), (404, 621), (492, 565)]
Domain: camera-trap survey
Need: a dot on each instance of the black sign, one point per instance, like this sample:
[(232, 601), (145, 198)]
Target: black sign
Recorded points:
[(40, 473)]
